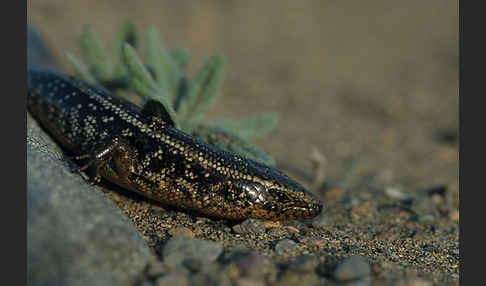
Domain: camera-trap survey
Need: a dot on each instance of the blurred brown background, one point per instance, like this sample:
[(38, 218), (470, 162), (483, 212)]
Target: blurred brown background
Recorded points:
[(372, 84)]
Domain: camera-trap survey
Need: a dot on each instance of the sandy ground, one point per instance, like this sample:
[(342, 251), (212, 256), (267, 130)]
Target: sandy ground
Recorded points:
[(373, 87)]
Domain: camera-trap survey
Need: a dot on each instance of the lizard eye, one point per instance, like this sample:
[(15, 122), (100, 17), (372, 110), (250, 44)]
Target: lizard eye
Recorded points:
[(280, 196)]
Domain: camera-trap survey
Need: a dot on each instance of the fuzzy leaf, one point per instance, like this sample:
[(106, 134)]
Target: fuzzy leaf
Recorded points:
[(158, 63), (182, 92), (95, 55), (137, 71), (254, 126), (187, 127), (180, 57), (123, 68), (143, 83), (80, 69), (230, 142), (205, 89), (141, 88), (126, 33)]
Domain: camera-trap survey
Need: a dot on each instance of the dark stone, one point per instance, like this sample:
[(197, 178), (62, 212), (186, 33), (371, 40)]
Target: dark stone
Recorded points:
[(303, 263), (75, 235), (351, 268), (180, 248), (37, 52), (286, 247)]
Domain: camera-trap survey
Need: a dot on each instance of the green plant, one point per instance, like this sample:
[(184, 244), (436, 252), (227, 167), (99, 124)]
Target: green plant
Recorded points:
[(162, 79)]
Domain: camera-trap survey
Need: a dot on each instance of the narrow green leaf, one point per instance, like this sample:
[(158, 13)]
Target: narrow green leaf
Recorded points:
[(81, 70), (157, 62), (99, 62), (126, 33), (182, 92), (180, 57), (137, 70), (187, 126), (254, 126), (205, 90), (143, 83), (141, 88)]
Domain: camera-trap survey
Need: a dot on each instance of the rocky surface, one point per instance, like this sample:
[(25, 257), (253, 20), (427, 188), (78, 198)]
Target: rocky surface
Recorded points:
[(351, 268), (75, 234), (38, 54), (381, 107)]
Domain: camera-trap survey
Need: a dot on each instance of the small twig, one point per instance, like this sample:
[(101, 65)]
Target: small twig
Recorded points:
[(319, 162)]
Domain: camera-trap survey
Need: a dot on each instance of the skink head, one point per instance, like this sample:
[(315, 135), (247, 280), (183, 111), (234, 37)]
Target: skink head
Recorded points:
[(273, 195), (280, 202)]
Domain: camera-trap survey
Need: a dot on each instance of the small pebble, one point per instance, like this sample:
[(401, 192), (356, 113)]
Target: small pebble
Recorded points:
[(454, 215), (295, 226), (157, 269), (249, 282), (211, 274), (145, 283), (415, 282), (245, 263), (397, 194), (183, 231), (323, 269), (194, 265), (352, 268), (179, 248), (359, 282), (437, 199), (314, 240), (172, 279), (249, 226), (303, 263), (427, 218), (291, 277), (251, 264), (286, 247)]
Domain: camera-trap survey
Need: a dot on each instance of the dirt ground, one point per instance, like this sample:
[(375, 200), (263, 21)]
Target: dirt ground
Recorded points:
[(373, 86)]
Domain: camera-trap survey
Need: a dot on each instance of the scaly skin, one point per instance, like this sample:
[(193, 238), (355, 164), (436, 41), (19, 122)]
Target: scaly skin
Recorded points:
[(146, 155)]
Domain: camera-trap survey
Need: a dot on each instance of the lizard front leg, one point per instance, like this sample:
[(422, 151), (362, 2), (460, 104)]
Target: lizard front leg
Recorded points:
[(106, 160)]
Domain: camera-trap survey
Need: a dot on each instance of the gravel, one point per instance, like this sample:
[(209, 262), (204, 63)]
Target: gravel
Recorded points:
[(249, 226)]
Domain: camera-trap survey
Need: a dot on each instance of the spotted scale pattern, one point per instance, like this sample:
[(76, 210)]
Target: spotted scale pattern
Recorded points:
[(148, 156)]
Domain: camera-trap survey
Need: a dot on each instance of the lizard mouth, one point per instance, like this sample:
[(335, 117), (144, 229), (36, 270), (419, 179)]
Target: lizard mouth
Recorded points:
[(303, 211)]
